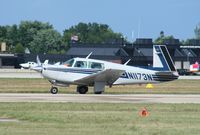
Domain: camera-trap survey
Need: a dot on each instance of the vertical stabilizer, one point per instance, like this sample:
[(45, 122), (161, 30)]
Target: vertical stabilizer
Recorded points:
[(162, 59)]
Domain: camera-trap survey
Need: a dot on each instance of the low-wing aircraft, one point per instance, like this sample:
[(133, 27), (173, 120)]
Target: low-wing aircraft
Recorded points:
[(85, 72), (30, 65)]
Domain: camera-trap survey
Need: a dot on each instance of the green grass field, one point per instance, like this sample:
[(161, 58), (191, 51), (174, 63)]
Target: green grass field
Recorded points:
[(99, 119), (43, 86)]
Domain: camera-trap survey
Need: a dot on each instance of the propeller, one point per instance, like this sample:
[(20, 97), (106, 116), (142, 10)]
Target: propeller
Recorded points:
[(38, 61), (40, 66)]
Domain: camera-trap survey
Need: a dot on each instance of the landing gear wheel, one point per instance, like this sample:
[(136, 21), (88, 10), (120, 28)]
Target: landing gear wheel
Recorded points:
[(99, 92), (82, 89), (54, 90)]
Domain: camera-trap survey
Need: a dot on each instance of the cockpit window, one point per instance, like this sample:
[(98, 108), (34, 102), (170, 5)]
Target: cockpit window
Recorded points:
[(95, 65), (81, 64), (69, 63)]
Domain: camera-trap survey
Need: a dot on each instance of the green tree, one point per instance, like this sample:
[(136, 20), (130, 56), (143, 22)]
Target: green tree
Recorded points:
[(12, 35), (19, 48), (161, 39), (46, 41), (28, 33), (9, 34), (28, 29), (3, 32), (90, 33)]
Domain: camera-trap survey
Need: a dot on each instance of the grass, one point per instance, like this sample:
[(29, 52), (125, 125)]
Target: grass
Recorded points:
[(99, 119), (43, 86)]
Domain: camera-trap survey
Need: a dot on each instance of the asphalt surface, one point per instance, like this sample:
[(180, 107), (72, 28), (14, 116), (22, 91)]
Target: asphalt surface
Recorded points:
[(19, 73), (77, 98), (26, 73)]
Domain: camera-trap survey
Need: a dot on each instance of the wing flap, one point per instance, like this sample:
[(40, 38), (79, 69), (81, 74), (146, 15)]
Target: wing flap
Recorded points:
[(109, 76)]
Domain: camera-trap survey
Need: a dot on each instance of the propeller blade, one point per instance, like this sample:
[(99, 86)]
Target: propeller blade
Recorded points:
[(38, 61)]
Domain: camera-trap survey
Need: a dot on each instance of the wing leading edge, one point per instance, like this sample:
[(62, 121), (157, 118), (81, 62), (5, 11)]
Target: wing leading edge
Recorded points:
[(109, 76)]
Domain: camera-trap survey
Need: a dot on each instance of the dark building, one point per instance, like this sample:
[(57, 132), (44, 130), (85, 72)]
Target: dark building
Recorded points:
[(140, 52), (8, 60), (107, 52)]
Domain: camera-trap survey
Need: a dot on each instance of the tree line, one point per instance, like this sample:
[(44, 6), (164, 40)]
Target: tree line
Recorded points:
[(39, 37)]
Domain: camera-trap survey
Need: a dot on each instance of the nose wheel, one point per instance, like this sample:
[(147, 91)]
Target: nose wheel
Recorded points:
[(54, 90)]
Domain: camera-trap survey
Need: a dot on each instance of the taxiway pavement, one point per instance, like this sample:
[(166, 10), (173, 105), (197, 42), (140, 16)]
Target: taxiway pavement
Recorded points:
[(26, 73), (104, 98)]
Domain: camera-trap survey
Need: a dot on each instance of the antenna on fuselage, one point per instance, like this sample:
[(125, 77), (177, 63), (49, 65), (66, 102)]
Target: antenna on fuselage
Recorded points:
[(89, 55), (127, 62)]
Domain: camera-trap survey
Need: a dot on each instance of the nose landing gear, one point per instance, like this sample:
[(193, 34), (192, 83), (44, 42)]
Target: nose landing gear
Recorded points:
[(54, 90)]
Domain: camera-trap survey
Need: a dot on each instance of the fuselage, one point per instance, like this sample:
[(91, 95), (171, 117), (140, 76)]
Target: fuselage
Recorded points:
[(28, 65), (68, 74)]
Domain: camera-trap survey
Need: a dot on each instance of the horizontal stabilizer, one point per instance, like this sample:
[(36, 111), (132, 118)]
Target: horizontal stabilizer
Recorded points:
[(165, 76)]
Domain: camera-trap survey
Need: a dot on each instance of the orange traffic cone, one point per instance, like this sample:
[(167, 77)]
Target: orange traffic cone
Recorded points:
[(144, 112)]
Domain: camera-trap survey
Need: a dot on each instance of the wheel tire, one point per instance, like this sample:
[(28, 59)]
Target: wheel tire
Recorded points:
[(82, 89), (99, 92), (54, 90)]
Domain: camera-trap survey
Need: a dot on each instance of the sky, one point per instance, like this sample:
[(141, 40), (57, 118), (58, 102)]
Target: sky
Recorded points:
[(132, 18)]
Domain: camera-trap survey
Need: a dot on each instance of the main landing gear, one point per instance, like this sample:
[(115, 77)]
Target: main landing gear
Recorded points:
[(54, 90), (82, 89), (98, 92)]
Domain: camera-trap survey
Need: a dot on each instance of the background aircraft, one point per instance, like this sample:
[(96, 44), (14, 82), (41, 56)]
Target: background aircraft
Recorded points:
[(85, 72), (31, 65), (194, 68), (28, 65)]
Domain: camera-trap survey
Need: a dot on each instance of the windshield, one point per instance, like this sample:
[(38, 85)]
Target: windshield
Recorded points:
[(69, 63)]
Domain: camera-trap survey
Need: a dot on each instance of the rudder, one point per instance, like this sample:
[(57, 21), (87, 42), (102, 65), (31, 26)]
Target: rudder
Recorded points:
[(162, 58)]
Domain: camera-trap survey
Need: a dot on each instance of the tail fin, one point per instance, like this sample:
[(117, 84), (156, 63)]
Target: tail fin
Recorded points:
[(162, 59)]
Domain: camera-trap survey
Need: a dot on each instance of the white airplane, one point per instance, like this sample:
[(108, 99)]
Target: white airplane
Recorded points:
[(85, 72), (29, 64)]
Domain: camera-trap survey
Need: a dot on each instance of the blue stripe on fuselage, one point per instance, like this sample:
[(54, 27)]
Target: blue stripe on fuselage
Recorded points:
[(82, 71)]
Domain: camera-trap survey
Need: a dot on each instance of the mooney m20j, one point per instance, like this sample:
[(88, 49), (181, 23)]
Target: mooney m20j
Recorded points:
[(85, 72)]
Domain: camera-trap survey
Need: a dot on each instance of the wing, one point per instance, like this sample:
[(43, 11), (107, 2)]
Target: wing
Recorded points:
[(109, 76)]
